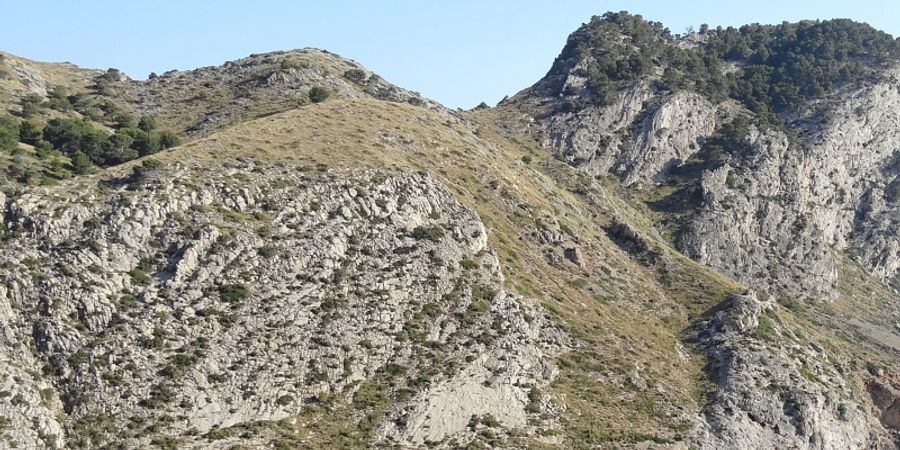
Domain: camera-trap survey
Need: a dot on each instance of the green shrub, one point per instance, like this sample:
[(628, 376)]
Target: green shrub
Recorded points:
[(71, 136), (81, 164), (32, 105), (139, 277), (147, 168), (319, 94), (112, 75), (9, 133), (233, 293), (58, 99), (355, 75), (289, 64), (29, 132), (765, 329), (490, 421), (147, 123), (168, 139), (267, 251), (534, 401), (430, 233)]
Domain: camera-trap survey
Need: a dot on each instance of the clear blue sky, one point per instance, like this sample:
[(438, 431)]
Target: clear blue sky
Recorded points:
[(458, 52)]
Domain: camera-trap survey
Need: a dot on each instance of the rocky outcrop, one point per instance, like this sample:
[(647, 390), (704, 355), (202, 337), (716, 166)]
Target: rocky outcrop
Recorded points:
[(769, 214), (754, 222), (30, 77), (253, 86), (639, 137), (884, 390), (667, 137), (199, 101), (773, 388), (201, 300)]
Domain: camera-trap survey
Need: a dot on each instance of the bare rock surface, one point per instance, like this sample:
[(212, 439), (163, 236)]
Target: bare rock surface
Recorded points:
[(773, 390), (193, 301)]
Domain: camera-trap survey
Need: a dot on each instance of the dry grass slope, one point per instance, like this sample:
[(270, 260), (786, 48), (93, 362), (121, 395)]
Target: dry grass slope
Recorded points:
[(630, 379)]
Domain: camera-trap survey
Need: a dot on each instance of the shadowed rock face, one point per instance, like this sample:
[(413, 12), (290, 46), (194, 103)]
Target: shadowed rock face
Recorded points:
[(242, 295), (885, 391)]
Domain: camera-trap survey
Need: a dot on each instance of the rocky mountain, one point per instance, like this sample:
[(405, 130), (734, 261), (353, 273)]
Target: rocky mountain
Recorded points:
[(206, 99), (668, 242)]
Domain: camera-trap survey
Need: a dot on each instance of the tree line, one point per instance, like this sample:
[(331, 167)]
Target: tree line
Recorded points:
[(776, 68)]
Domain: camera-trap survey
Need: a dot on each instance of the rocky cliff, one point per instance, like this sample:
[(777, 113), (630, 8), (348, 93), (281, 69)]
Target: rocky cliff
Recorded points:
[(778, 207), (775, 387), (773, 209), (240, 296)]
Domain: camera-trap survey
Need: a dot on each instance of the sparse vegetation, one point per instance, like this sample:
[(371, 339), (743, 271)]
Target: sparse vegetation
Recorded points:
[(765, 329), (355, 75), (319, 94), (233, 293), (429, 233), (809, 375), (625, 316), (139, 277)]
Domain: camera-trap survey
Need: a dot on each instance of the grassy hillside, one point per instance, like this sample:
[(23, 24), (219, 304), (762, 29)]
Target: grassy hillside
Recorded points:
[(629, 379)]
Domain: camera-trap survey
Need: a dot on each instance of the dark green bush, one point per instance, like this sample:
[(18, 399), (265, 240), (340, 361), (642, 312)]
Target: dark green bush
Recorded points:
[(81, 164), (431, 233), (233, 293), (29, 132), (32, 104), (58, 99), (9, 133), (139, 277), (290, 64), (147, 123), (319, 94), (355, 75), (74, 136)]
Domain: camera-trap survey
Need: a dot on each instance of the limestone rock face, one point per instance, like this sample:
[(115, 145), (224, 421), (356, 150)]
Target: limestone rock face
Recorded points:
[(668, 136), (639, 137), (754, 223), (770, 217), (29, 77), (199, 300), (591, 138), (773, 390), (777, 210), (770, 214)]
